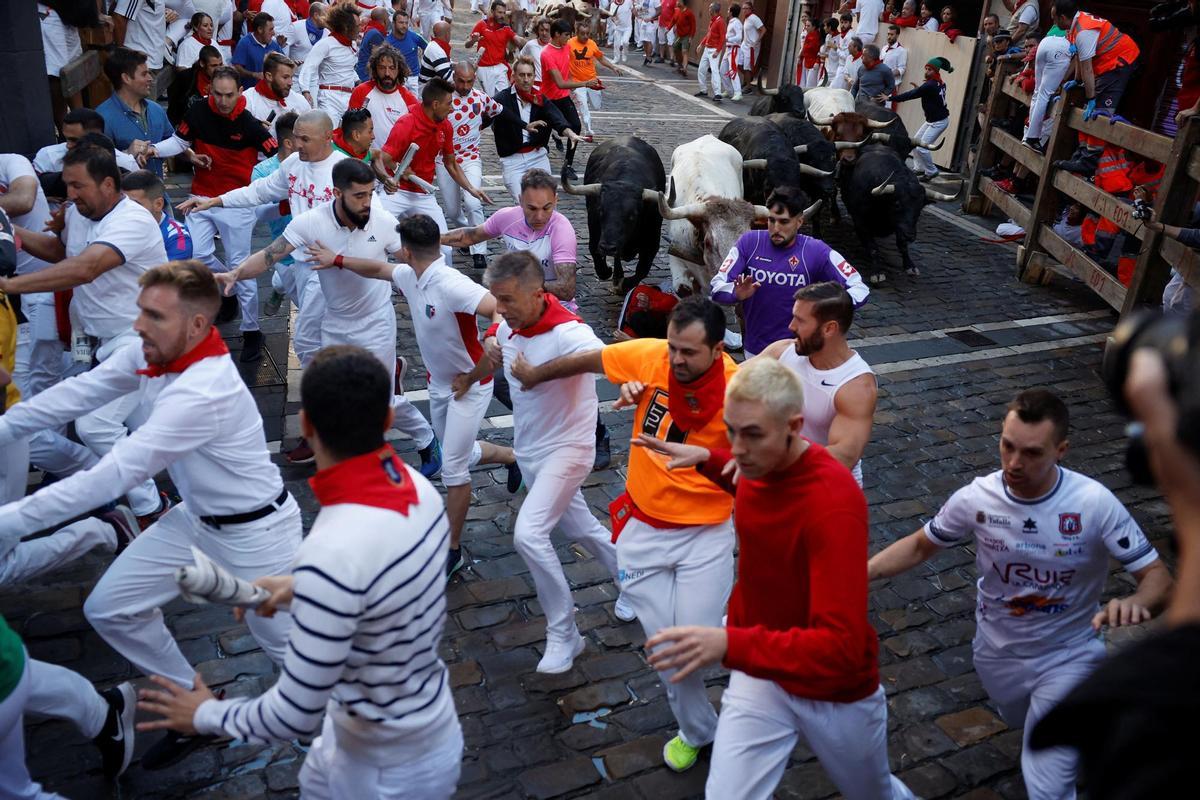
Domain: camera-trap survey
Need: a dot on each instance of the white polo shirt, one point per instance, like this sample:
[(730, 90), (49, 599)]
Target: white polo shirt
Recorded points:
[(50, 159), (443, 303), (1042, 563), (12, 168), (556, 414), (299, 43), (107, 306), (267, 110), (147, 28), (349, 297)]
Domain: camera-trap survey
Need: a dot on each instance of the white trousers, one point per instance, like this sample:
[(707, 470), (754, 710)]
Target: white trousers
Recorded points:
[(680, 576), (331, 772), (463, 210), (456, 423), (1024, 690), (515, 166), (585, 100), (493, 79), (101, 429), (15, 782), (758, 729), (125, 606), (333, 103), (404, 204), (620, 43), (61, 693), (928, 133), (236, 225), (14, 470), (33, 557), (709, 71), (38, 363), (1050, 66), (377, 335), (811, 77), (303, 287), (730, 85), (554, 499)]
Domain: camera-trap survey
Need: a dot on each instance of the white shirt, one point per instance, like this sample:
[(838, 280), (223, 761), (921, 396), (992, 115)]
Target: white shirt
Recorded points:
[(279, 12), (50, 159), (554, 415), (931, 25), (868, 12), (850, 70), (299, 45), (752, 28), (386, 108), (12, 168), (147, 28), (368, 615), (304, 184), (443, 303), (733, 33), (1042, 563), (466, 117), (188, 52), (348, 295), (622, 15), (896, 57), (833, 56), (329, 63), (201, 425), (267, 110), (107, 306), (820, 390), (533, 48)]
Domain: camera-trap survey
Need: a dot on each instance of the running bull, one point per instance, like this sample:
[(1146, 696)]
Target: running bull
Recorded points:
[(769, 159)]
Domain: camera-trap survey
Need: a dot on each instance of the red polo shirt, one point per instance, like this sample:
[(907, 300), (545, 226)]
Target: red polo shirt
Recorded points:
[(716, 33), (493, 42), (556, 58), (432, 137)]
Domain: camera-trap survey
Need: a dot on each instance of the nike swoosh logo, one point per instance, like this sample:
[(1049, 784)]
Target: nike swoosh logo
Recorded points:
[(120, 734), (823, 383)]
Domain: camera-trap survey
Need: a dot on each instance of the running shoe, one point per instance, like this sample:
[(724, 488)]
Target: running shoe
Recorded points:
[(603, 451), (679, 755), (701, 94), (252, 347), (454, 562), (1007, 186), (116, 738), (623, 610), (271, 307), (401, 371), (560, 656), (164, 506), (124, 523), (301, 453), (737, 96), (431, 459), (515, 479)]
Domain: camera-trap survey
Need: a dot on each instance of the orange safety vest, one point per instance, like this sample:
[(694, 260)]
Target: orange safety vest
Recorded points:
[(1142, 175), (1112, 173), (1112, 47)]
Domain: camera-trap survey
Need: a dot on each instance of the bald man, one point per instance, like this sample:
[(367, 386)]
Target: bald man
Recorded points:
[(435, 60), (469, 108)]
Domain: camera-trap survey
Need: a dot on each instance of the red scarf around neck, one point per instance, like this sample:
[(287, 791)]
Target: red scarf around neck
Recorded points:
[(373, 25), (202, 40), (342, 39), (238, 107), (445, 45), (378, 479), (264, 88), (555, 314), (528, 97), (202, 82), (693, 404), (209, 347), (339, 139)]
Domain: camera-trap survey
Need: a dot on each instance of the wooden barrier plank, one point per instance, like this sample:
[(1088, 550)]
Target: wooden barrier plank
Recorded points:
[(1183, 260), (1100, 201), (1017, 93), (1139, 140), (1026, 157), (1010, 205), (997, 104), (1193, 166), (1046, 201), (1082, 267)]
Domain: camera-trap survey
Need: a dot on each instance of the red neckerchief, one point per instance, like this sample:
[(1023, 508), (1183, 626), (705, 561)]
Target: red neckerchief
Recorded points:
[(340, 140), (264, 88), (693, 404), (238, 107), (554, 315), (936, 76), (373, 25), (378, 479), (209, 347), (205, 42), (202, 82), (342, 39), (526, 97), (444, 43)]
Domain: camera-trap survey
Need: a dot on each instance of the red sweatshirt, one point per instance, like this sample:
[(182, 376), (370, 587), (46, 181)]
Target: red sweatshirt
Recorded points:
[(798, 614)]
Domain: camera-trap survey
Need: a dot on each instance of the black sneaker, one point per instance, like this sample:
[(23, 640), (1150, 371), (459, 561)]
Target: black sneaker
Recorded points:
[(716, 98), (229, 309), (173, 748), (701, 94), (515, 479), (454, 562), (570, 172), (479, 262), (124, 523), (252, 346), (603, 452), (115, 739), (1034, 145)]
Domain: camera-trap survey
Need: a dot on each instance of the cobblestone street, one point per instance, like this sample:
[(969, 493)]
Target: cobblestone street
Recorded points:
[(951, 347)]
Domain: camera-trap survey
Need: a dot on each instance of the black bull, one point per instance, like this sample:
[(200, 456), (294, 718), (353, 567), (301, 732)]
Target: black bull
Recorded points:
[(621, 183), (769, 159)]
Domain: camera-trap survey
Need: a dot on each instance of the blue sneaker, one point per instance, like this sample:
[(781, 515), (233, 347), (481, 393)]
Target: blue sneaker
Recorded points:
[(431, 459)]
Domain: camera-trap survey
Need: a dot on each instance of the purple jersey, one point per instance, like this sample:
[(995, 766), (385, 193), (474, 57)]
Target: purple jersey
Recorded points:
[(780, 271)]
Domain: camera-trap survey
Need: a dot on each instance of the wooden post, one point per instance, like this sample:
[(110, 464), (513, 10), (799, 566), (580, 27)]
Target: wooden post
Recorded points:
[(1045, 201), (997, 105)]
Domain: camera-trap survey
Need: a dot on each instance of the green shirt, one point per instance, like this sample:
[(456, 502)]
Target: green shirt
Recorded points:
[(1056, 31), (12, 660)]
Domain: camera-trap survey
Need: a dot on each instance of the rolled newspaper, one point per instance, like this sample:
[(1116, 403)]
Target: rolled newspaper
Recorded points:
[(207, 582), (409, 155)]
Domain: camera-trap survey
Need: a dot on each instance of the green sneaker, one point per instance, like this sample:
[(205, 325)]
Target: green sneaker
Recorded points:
[(679, 755)]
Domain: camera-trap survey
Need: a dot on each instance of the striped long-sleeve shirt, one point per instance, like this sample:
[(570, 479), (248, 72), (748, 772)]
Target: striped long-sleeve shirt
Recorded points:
[(367, 615)]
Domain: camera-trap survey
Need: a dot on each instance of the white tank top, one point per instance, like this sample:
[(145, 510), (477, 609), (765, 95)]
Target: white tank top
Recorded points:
[(820, 387)]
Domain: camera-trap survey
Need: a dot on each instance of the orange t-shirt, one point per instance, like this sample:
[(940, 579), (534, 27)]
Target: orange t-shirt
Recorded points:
[(683, 497), (583, 58)]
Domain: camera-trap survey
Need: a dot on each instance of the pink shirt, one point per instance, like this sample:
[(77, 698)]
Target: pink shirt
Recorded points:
[(556, 58), (553, 244)]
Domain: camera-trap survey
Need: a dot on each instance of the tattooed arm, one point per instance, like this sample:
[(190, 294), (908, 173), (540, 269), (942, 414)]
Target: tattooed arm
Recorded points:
[(563, 285), (465, 237), (255, 265)]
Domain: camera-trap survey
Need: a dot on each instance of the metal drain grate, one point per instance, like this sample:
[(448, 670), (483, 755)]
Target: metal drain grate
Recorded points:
[(972, 338)]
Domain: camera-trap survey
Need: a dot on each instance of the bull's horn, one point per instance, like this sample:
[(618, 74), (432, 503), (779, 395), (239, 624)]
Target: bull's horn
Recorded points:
[(683, 212), (761, 213), (650, 195), (937, 146), (584, 190), (755, 163), (806, 169), (876, 123), (850, 145), (811, 211), (942, 196), (825, 123), (881, 137), (884, 188), (801, 149)]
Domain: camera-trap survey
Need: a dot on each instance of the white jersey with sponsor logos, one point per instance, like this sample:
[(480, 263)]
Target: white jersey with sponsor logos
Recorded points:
[(443, 303), (1042, 563)]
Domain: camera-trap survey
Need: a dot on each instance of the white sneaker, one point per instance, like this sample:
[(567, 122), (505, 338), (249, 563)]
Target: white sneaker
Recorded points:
[(560, 656), (736, 97), (623, 610)]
